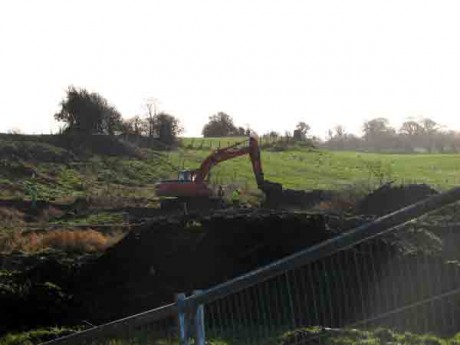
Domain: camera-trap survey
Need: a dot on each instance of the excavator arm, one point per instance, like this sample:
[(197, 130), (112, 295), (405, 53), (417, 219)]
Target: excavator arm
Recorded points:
[(272, 190), (230, 152)]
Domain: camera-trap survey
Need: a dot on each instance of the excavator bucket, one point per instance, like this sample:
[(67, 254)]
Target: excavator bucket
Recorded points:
[(273, 193)]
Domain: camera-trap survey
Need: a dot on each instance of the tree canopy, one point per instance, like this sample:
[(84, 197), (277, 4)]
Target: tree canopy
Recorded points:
[(166, 128), (221, 125), (413, 136), (88, 112)]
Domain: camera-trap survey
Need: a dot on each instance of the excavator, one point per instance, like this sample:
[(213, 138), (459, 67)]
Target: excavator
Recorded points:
[(191, 189)]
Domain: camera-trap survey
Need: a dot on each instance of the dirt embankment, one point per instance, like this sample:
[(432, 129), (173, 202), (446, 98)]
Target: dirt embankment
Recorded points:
[(182, 253), (389, 198)]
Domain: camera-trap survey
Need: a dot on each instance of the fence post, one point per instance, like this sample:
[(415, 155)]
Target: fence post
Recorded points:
[(200, 337), (182, 319)]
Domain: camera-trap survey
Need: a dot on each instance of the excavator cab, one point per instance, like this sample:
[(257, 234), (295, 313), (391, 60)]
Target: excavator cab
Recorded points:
[(186, 176)]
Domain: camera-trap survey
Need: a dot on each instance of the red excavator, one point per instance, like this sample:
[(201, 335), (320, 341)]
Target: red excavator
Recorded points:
[(191, 187)]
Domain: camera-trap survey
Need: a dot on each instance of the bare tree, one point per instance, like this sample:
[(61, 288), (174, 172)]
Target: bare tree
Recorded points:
[(152, 108), (411, 128), (429, 126), (339, 131)]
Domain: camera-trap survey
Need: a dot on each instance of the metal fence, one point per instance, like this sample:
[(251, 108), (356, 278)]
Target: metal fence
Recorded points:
[(379, 275)]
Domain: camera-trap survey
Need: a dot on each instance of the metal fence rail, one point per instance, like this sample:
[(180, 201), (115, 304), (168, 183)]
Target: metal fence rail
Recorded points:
[(377, 275)]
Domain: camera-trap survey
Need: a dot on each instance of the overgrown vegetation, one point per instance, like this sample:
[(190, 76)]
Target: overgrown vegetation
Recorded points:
[(78, 241), (36, 336), (379, 336), (310, 335)]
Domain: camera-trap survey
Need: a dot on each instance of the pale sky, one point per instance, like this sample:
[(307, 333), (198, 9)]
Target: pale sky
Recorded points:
[(267, 63)]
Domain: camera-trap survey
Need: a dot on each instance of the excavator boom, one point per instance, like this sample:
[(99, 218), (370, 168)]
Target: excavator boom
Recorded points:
[(231, 152)]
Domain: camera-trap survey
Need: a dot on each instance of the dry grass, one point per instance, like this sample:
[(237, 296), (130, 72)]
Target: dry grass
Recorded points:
[(121, 198), (50, 213), (345, 201), (11, 217), (86, 241)]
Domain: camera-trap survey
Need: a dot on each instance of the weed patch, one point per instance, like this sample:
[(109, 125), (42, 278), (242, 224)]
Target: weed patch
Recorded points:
[(80, 241), (36, 336)]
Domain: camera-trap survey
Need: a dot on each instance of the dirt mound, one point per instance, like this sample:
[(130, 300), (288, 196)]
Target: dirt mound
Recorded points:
[(389, 198), (182, 253)]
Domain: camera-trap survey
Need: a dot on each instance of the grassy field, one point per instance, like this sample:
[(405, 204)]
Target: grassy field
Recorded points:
[(295, 167), (304, 168)]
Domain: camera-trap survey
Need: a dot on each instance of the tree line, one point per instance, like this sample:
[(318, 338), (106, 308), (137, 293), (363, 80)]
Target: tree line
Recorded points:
[(87, 112), (424, 135)]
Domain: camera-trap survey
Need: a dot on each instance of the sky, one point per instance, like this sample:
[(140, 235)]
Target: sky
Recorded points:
[(267, 63)]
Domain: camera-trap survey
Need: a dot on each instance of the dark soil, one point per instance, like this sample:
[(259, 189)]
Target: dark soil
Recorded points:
[(183, 253), (304, 199), (37, 290), (389, 198)]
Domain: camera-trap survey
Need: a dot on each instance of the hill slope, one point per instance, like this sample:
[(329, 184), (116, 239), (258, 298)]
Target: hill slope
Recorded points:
[(99, 165)]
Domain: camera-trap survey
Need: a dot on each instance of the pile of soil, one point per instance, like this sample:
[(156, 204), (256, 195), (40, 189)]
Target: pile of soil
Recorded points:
[(183, 253), (389, 198)]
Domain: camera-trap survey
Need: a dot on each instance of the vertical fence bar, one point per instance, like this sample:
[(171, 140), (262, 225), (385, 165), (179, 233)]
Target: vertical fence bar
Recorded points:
[(200, 336), (182, 319)]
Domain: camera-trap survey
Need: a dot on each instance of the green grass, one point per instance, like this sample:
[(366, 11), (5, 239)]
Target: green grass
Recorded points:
[(379, 336), (54, 181), (294, 167), (309, 169), (36, 336)]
